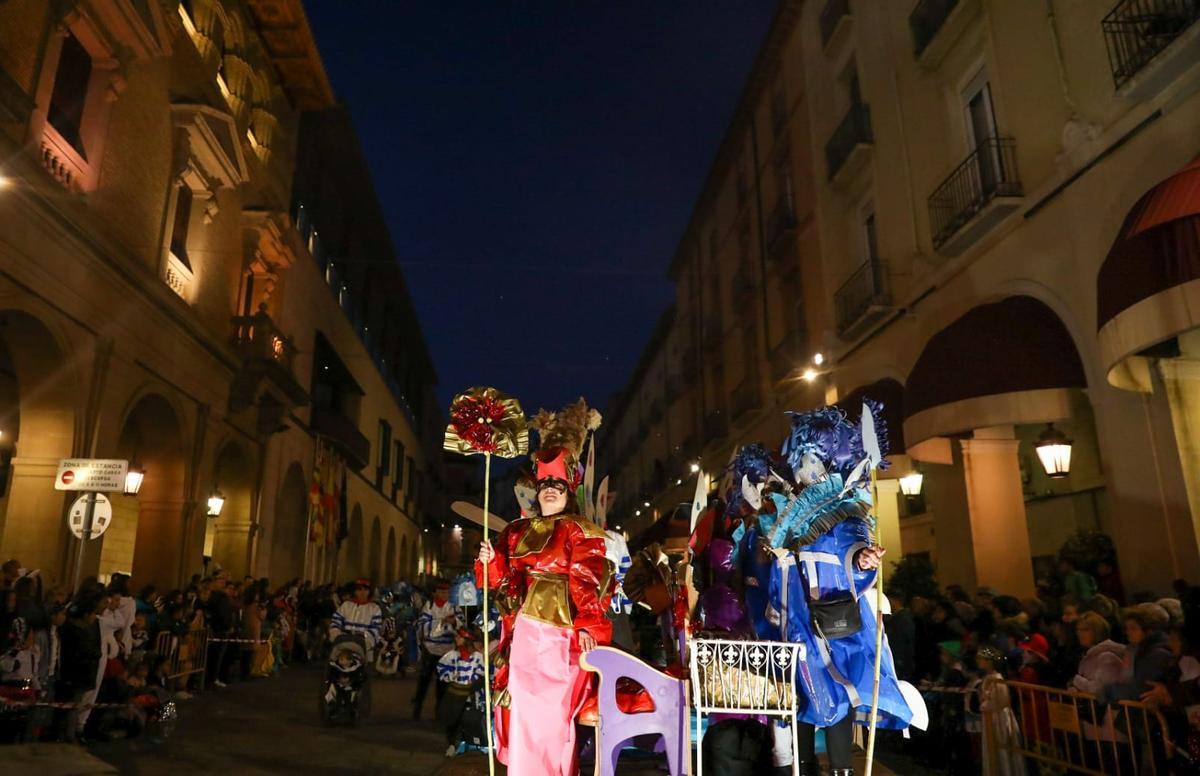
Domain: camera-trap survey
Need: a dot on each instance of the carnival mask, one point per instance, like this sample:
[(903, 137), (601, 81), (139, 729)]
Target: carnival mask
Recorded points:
[(811, 470)]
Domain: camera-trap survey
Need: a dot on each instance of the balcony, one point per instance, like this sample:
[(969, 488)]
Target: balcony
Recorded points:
[(265, 378), (716, 425), (745, 397), (849, 148), (980, 193), (863, 299), (785, 356), (1137, 32), (343, 434), (834, 23), (936, 25), (781, 225)]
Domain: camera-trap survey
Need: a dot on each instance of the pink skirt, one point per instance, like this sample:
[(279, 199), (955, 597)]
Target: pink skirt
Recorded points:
[(547, 689)]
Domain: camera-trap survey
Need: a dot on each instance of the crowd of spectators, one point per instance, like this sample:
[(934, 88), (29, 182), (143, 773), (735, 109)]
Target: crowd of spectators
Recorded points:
[(1079, 633)]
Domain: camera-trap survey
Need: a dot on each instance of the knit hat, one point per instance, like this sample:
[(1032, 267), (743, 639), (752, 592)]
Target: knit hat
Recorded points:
[(954, 648)]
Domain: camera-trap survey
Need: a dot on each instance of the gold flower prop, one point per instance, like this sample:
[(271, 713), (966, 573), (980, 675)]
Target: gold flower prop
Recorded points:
[(484, 420)]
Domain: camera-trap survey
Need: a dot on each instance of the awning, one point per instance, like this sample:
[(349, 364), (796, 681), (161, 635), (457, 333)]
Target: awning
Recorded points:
[(1146, 289), (1007, 362)]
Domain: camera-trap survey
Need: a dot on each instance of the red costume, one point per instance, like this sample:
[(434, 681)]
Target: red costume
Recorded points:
[(557, 567)]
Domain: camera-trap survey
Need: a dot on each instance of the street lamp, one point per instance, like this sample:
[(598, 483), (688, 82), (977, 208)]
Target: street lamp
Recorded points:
[(216, 502), (910, 484), (1054, 450), (818, 358), (695, 468), (809, 375), (133, 479)]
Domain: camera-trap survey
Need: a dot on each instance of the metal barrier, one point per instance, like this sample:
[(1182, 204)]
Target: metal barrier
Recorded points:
[(186, 654)]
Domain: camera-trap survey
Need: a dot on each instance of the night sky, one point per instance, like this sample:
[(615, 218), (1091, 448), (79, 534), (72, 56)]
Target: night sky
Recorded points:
[(537, 163)]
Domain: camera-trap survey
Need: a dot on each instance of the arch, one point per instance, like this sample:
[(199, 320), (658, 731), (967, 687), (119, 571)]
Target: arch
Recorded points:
[(39, 387), (374, 548), (148, 532), (389, 559), (888, 392), (1011, 361), (353, 562), (227, 536), (289, 527)]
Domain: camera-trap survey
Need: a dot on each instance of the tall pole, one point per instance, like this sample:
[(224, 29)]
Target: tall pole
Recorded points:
[(487, 650), (878, 631), (89, 514)]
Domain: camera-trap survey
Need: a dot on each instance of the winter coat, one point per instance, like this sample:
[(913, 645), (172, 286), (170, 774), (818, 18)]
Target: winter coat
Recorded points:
[(1100, 667), (1147, 662), (81, 654)]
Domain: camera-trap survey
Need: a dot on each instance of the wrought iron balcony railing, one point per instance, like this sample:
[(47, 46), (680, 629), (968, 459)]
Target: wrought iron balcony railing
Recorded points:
[(831, 14), (866, 288), (1136, 31), (989, 172), (781, 224), (855, 130), (257, 336), (925, 21)]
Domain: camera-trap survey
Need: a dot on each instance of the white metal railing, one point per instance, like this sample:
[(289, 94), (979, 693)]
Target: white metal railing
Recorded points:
[(755, 677)]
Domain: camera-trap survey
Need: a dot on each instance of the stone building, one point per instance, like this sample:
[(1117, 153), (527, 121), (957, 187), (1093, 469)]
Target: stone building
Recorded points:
[(1002, 245), (164, 299)]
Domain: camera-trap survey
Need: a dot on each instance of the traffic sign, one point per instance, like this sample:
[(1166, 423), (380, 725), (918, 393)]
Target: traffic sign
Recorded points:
[(96, 474), (101, 517)]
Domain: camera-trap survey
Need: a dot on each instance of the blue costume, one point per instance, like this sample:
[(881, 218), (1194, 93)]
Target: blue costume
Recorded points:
[(824, 527)]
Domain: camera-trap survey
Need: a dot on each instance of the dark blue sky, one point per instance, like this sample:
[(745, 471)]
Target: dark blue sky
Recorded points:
[(537, 163)]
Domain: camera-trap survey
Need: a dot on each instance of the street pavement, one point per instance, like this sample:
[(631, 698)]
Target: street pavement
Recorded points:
[(270, 726)]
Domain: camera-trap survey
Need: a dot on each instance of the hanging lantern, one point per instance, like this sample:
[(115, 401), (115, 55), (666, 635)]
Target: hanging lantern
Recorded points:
[(133, 480), (1054, 450), (216, 502), (910, 484)]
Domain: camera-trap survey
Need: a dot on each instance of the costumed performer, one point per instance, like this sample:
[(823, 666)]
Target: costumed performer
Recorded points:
[(556, 562), (826, 564)]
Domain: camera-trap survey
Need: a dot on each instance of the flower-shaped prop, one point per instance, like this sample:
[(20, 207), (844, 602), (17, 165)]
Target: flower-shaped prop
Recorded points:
[(484, 421)]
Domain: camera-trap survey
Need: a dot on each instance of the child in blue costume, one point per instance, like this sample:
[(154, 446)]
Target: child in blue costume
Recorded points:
[(824, 552)]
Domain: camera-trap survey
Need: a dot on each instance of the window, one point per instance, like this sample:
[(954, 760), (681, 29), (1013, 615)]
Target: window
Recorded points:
[(979, 115), (398, 474), (411, 480), (870, 242), (70, 92), (179, 229), (384, 448)]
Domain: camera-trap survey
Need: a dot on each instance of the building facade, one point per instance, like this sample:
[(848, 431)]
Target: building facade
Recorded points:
[(165, 300), (1001, 238)]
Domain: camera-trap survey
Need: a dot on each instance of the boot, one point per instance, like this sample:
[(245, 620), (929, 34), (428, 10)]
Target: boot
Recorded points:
[(842, 772), (810, 768)]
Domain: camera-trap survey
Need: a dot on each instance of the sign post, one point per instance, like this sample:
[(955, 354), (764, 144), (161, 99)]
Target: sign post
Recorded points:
[(92, 475)]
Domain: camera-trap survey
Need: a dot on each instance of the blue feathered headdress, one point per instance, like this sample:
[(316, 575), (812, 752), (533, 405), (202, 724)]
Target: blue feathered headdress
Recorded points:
[(817, 509), (827, 434)]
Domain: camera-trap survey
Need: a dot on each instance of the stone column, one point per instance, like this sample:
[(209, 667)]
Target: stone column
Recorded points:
[(35, 526), (1181, 381), (996, 503), (887, 520)]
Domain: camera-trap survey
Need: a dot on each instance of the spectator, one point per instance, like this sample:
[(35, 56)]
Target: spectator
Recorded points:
[(126, 610), (1000, 731), (1108, 581), (1102, 658), (901, 628), (81, 661), (1076, 583), (1146, 659), (218, 611)]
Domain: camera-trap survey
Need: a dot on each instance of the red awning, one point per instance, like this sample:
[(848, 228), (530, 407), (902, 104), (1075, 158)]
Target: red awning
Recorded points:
[(1158, 247)]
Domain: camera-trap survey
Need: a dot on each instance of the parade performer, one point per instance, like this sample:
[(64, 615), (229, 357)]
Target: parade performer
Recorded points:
[(359, 615), (556, 561), (826, 563), (436, 625)]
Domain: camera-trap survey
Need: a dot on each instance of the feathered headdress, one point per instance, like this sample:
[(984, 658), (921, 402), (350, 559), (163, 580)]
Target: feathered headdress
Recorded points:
[(827, 434), (561, 438)]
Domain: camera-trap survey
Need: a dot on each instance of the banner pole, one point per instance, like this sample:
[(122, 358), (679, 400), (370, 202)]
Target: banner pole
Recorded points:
[(487, 615), (878, 630)]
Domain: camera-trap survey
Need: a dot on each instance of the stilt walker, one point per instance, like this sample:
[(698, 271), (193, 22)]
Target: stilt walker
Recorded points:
[(485, 421)]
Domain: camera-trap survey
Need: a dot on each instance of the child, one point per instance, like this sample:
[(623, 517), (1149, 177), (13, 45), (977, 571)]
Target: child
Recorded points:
[(462, 670), (999, 724)]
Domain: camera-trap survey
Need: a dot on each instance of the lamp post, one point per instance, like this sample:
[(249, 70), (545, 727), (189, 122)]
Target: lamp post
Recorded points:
[(910, 484), (1054, 451), (216, 502)]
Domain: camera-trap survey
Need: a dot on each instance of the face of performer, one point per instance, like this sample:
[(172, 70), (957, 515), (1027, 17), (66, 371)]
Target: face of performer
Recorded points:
[(811, 470), (552, 497)]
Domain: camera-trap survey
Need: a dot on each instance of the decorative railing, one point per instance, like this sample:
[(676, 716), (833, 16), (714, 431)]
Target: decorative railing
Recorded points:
[(853, 131), (258, 337), (781, 223), (831, 14), (62, 161), (866, 288), (178, 276), (1136, 31), (925, 21), (989, 172)]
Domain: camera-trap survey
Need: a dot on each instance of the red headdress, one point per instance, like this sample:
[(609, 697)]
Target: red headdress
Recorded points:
[(562, 436)]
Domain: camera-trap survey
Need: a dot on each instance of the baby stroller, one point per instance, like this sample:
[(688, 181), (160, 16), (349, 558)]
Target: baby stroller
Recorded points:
[(390, 650), (346, 693)]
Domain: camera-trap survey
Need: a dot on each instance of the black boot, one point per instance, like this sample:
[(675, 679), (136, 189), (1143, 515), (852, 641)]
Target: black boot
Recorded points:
[(810, 768), (842, 772)]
